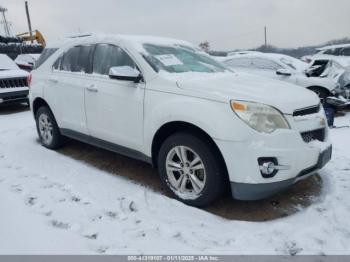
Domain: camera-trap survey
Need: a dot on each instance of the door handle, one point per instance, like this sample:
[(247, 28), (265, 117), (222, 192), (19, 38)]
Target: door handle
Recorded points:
[(92, 88)]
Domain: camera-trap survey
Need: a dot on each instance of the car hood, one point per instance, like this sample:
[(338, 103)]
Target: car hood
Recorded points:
[(5, 74), (240, 86)]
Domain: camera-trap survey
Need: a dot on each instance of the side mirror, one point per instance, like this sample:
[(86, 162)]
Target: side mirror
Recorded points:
[(283, 72), (125, 73)]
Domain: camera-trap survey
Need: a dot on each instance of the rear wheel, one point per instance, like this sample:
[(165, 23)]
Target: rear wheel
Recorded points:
[(190, 170), (47, 129)]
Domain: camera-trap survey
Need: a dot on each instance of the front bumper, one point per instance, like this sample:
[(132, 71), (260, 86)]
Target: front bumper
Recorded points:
[(244, 191), (14, 97), (292, 150)]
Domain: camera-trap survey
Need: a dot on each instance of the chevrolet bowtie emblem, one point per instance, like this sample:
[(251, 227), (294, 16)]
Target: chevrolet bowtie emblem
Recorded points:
[(322, 122)]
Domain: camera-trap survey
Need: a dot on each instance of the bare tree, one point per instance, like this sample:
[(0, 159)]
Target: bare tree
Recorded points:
[(205, 46)]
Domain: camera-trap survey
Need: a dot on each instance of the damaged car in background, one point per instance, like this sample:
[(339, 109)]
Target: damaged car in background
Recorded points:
[(284, 68), (336, 68)]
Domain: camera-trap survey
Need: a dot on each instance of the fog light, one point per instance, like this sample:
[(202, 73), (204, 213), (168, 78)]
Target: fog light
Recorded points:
[(269, 166)]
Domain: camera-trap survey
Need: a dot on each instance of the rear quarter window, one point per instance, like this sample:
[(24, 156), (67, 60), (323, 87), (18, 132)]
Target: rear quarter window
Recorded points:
[(44, 56)]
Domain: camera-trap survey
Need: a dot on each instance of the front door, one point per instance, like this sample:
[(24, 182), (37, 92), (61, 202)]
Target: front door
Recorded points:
[(114, 108)]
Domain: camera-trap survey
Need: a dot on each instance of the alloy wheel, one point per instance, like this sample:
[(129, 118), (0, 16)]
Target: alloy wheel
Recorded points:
[(45, 129), (186, 172)]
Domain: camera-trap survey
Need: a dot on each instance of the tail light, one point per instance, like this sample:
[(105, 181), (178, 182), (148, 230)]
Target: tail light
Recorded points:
[(29, 80)]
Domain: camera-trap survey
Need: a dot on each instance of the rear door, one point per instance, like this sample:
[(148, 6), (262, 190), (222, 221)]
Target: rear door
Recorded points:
[(69, 79), (114, 108)]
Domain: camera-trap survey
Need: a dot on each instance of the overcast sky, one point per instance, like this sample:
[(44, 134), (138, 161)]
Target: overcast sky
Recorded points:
[(226, 24)]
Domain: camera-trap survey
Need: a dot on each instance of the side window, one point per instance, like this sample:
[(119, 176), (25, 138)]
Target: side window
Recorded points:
[(337, 51), (69, 61), (107, 56), (265, 64), (334, 51), (346, 51), (56, 65), (318, 68), (239, 62), (76, 59), (44, 56), (84, 59)]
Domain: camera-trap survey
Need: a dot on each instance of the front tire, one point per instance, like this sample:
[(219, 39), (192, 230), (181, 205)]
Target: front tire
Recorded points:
[(47, 128), (190, 170)]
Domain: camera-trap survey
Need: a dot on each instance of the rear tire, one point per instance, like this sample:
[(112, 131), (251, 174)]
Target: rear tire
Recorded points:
[(190, 170), (47, 128)]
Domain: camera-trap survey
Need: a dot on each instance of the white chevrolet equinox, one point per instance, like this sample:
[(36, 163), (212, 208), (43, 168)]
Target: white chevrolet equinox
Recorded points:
[(207, 129)]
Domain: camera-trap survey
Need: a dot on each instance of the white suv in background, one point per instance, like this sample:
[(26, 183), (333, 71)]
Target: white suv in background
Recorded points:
[(162, 101)]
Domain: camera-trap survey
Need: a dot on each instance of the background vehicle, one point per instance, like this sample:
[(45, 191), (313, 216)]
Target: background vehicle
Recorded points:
[(336, 68), (14, 82), (334, 50), (26, 61), (281, 67), (164, 102)]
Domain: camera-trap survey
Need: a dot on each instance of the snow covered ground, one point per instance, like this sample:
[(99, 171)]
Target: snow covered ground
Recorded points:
[(53, 204)]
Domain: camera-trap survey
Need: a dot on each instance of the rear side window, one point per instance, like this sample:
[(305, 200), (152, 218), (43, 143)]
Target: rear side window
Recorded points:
[(107, 56), (84, 60), (44, 56), (70, 60), (76, 59)]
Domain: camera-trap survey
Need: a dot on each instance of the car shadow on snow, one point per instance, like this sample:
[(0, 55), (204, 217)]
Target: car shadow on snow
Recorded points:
[(298, 197), (13, 109)]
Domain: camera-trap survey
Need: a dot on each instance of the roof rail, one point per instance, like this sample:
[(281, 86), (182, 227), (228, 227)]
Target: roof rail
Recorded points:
[(80, 36)]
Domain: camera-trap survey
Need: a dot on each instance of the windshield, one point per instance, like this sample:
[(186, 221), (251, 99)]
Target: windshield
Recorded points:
[(6, 63), (180, 59)]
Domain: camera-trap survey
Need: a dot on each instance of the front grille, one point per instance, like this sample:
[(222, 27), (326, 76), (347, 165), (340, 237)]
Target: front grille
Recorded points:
[(13, 82), (319, 134), (307, 111)]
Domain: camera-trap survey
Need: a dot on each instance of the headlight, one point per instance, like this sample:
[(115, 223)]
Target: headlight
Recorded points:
[(262, 118)]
